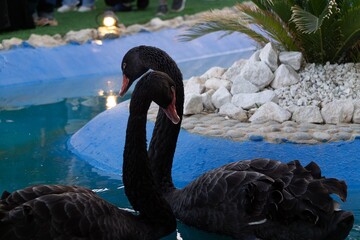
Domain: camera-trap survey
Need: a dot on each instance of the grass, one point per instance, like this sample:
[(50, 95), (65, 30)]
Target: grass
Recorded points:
[(77, 21)]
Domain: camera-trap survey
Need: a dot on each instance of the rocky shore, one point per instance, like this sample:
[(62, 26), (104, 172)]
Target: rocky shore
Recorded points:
[(215, 125), (89, 35), (272, 96), (277, 97)]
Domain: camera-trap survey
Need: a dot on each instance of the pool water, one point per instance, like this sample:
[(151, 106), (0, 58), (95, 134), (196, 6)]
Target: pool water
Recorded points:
[(35, 128)]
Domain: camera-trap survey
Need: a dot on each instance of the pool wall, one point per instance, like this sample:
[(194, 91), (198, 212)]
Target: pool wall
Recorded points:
[(27, 65), (101, 143)]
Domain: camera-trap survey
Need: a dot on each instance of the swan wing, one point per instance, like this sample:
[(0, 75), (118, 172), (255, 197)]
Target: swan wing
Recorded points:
[(256, 194), (64, 213), (224, 200)]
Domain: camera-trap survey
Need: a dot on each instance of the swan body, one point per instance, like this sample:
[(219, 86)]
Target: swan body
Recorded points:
[(265, 198), (259, 198), (72, 212)]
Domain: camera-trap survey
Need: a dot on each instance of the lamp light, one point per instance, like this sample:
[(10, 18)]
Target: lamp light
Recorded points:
[(110, 26), (110, 19)]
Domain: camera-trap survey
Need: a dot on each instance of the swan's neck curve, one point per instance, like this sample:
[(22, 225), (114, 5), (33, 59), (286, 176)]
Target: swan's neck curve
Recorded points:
[(138, 181), (165, 133)]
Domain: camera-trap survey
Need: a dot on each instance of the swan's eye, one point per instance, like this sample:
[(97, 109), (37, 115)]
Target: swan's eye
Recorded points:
[(124, 66)]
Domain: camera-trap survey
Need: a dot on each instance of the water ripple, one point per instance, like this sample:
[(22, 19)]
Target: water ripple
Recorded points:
[(99, 190)]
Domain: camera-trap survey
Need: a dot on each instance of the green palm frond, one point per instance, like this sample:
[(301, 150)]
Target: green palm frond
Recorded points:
[(323, 30), (263, 4), (216, 20), (316, 7), (271, 25), (350, 26), (305, 21), (282, 8), (354, 54)]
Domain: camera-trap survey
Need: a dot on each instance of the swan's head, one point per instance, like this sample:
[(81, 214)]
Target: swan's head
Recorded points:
[(164, 95), (132, 68), (160, 88)]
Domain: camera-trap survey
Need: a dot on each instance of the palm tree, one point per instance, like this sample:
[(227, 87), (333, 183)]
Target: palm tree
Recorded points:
[(323, 30)]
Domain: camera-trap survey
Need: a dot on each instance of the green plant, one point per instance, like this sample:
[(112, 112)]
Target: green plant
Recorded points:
[(323, 30)]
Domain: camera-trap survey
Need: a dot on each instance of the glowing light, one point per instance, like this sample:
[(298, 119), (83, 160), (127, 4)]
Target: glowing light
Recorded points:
[(101, 92), (111, 101), (110, 26), (109, 21)]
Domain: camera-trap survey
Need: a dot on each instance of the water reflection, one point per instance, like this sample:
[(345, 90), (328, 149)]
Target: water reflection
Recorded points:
[(111, 101), (41, 93), (33, 141)]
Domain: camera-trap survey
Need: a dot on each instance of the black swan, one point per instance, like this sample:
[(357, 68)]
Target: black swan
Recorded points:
[(72, 212), (260, 198)]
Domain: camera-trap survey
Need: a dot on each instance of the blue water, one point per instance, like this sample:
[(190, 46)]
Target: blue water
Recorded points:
[(37, 121)]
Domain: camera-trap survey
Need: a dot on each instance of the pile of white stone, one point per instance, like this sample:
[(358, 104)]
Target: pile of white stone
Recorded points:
[(273, 86), (88, 35)]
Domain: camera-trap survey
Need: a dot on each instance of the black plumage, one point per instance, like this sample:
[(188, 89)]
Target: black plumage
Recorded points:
[(72, 212), (260, 198)]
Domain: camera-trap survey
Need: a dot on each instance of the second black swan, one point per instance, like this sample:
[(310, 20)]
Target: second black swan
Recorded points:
[(260, 198), (45, 212)]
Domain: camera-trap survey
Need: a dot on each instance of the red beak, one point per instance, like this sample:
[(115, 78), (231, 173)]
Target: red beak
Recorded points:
[(125, 86), (170, 111)]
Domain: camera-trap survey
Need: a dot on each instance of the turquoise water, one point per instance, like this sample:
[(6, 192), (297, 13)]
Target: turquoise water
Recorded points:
[(33, 150), (37, 121)]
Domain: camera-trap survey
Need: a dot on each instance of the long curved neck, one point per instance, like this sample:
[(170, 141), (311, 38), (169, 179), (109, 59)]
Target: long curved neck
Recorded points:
[(139, 185), (165, 133)]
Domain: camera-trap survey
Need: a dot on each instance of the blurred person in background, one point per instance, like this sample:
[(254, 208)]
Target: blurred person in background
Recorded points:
[(42, 12), (126, 5), (72, 5), (15, 15), (177, 6)]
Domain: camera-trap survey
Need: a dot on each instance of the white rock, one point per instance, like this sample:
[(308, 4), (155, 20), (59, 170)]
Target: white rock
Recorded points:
[(194, 85), (251, 100), (9, 43), (356, 115), (338, 111), (308, 114), (270, 112), (241, 85), (135, 28), (234, 112), (234, 70), (291, 108), (206, 100), (214, 72), (216, 83), (193, 104), (221, 97), (44, 41), (258, 73), (81, 36), (269, 55), (176, 22), (293, 59), (285, 76), (255, 56), (156, 24), (156, 21)]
